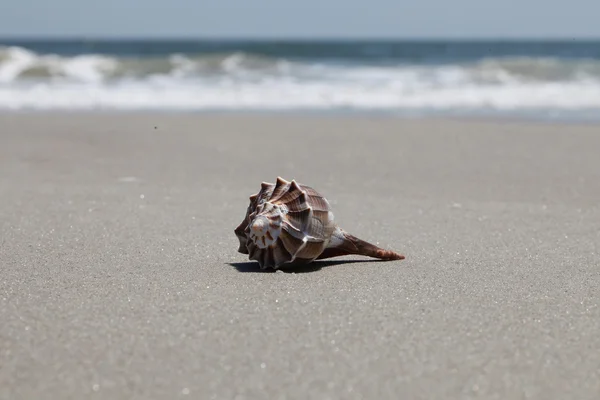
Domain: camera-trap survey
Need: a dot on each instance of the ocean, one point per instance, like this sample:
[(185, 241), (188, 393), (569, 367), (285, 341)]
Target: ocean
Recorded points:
[(548, 79)]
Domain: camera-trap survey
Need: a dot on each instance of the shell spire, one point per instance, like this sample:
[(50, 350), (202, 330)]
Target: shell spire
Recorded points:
[(290, 224)]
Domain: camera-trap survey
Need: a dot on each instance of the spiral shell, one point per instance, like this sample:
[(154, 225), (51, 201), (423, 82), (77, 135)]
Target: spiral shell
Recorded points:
[(286, 223), (290, 224)]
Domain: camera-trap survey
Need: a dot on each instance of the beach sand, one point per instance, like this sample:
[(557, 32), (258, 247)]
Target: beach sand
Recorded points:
[(120, 276)]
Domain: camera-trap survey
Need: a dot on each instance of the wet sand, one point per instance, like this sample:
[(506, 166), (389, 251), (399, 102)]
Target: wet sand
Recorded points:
[(120, 277)]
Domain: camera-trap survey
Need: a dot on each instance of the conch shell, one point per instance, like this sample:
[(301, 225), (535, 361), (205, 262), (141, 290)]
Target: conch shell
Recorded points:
[(291, 224)]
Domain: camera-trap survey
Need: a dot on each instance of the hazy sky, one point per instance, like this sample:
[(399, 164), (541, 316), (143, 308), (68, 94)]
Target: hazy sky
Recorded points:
[(302, 18)]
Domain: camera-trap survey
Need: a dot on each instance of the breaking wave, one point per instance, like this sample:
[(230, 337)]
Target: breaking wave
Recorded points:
[(232, 81)]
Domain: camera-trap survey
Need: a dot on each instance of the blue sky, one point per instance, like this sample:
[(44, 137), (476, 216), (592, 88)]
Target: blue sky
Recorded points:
[(306, 18)]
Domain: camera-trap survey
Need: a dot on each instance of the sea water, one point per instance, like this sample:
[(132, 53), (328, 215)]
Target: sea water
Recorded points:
[(558, 79)]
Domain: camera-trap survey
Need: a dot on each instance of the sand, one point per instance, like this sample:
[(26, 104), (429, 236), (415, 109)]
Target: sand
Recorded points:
[(120, 277)]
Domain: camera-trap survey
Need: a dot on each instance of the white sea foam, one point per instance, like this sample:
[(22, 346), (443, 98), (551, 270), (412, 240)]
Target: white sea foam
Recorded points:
[(18, 64), (238, 81)]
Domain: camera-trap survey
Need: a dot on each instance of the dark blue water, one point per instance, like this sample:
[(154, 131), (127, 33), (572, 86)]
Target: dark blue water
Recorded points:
[(358, 51)]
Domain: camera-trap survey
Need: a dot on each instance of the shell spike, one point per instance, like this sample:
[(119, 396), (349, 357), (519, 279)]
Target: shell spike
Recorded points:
[(281, 181), (344, 243), (296, 186)]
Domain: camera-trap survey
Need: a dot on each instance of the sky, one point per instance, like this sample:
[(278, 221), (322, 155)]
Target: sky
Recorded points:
[(302, 18)]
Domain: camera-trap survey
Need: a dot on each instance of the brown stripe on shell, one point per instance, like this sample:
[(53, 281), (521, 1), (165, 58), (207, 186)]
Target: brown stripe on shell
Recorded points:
[(291, 243), (318, 203), (292, 230), (300, 219), (298, 203), (316, 199), (323, 219), (281, 187), (292, 197), (316, 228)]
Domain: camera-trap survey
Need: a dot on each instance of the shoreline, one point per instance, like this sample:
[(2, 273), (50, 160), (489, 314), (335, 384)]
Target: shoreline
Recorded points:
[(324, 115)]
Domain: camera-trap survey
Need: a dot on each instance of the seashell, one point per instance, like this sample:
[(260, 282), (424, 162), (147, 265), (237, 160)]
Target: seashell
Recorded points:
[(291, 224)]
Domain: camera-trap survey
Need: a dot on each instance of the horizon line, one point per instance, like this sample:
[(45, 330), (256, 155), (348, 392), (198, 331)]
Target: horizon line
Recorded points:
[(241, 38)]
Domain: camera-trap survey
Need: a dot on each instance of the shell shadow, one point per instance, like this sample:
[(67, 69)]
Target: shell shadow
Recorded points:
[(252, 266)]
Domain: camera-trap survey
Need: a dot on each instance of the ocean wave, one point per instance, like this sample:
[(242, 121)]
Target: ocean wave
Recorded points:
[(17, 63), (29, 80)]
